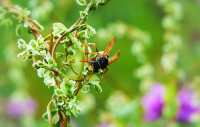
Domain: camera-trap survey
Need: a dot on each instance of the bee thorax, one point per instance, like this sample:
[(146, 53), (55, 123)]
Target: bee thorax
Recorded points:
[(99, 63)]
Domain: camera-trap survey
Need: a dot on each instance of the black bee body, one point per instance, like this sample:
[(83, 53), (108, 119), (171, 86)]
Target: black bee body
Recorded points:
[(99, 63), (101, 59)]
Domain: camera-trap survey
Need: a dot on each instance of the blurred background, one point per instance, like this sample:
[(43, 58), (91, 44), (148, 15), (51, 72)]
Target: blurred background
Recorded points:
[(155, 83)]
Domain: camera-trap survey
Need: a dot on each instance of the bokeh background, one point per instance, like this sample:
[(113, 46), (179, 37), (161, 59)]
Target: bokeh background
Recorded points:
[(156, 81)]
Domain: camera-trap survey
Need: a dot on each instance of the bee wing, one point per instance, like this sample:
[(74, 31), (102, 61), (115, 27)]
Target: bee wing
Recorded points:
[(115, 57), (109, 47)]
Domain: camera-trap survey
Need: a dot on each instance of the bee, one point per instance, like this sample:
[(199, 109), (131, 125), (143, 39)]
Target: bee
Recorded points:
[(101, 60)]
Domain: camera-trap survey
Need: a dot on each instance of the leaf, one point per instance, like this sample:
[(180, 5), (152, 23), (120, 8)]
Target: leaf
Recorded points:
[(38, 25), (82, 2), (76, 42), (55, 118), (85, 88), (51, 113), (18, 29), (98, 87), (68, 86), (41, 72), (95, 82), (49, 79), (73, 107), (21, 43), (88, 32), (59, 92), (91, 30), (58, 28)]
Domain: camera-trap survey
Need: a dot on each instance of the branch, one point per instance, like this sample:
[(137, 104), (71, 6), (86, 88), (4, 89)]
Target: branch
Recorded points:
[(32, 24), (79, 23)]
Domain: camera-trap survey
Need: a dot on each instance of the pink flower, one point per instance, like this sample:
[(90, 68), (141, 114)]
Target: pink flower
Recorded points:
[(153, 103), (186, 106), (19, 108)]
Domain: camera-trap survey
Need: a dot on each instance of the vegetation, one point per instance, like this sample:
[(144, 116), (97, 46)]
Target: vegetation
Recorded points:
[(153, 83)]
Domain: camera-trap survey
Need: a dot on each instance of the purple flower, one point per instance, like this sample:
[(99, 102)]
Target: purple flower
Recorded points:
[(186, 106), (153, 103), (104, 125), (19, 108)]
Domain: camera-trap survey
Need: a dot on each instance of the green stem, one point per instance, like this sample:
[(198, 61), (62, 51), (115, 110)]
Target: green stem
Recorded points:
[(49, 113), (79, 24)]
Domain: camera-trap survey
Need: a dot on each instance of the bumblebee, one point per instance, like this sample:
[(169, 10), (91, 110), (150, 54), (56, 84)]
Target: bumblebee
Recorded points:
[(101, 59)]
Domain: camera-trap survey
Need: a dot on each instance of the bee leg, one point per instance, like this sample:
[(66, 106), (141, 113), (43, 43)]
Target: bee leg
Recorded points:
[(114, 58), (88, 60), (87, 52), (85, 61)]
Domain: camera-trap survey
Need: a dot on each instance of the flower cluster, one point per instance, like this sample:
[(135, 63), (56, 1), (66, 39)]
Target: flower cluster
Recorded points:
[(18, 108), (171, 25), (154, 104)]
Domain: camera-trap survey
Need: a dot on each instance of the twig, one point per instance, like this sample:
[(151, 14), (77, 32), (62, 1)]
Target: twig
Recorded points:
[(76, 26), (79, 24), (31, 24)]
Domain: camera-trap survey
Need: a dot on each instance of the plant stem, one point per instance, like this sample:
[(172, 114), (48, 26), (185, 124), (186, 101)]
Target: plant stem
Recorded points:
[(79, 24), (31, 24), (76, 26)]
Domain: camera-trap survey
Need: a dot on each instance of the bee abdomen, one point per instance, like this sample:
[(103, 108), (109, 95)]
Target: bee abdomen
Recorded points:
[(100, 63), (103, 62), (95, 66)]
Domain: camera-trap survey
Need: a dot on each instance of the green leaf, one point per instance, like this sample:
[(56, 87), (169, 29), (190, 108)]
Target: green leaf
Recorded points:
[(55, 118), (40, 27), (73, 107), (21, 43), (51, 113), (85, 88), (58, 28), (49, 79), (88, 32), (68, 86), (95, 82), (18, 29), (59, 92), (82, 2), (41, 72)]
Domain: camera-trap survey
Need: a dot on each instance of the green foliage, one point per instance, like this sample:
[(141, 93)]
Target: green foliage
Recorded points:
[(158, 46), (56, 58)]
